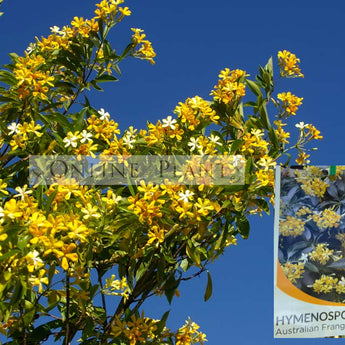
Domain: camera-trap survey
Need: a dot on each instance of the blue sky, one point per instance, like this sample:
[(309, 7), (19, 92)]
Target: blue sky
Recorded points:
[(194, 40)]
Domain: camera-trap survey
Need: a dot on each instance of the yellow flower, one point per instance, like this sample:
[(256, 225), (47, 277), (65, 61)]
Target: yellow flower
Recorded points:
[(290, 102), (326, 219), (3, 187), (90, 211), (33, 261), (321, 254), (68, 255), (288, 64), (230, 86), (291, 226), (293, 271), (302, 158), (155, 234), (325, 284), (144, 47), (12, 210), (203, 207), (39, 280)]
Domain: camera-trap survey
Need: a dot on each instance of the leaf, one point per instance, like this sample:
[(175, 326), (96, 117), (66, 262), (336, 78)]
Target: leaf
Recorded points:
[(61, 120), (243, 226), (94, 84), (105, 78), (193, 254), (126, 51), (161, 324), (170, 287), (269, 66), (236, 145), (184, 264), (264, 116), (263, 204), (8, 78), (208, 292), (254, 87), (101, 28), (274, 138), (42, 332), (339, 264), (18, 293), (311, 267)]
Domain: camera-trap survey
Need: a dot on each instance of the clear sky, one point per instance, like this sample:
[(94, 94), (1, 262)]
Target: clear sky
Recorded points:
[(194, 40)]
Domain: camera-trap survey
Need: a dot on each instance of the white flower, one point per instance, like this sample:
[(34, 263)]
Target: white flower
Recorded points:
[(194, 101), (128, 140), (215, 139), (71, 140), (35, 258), (237, 160), (169, 122), (90, 211), (86, 136), (14, 128), (185, 196), (342, 281), (304, 257), (55, 30), (301, 125), (105, 116), (30, 48), (22, 191), (194, 144), (2, 214)]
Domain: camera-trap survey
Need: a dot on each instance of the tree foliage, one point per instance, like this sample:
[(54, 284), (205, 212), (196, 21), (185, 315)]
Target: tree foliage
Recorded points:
[(78, 262)]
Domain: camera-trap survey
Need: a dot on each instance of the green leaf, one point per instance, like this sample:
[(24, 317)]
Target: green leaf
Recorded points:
[(94, 84), (18, 293), (274, 138), (126, 51), (8, 78), (263, 204), (269, 66), (170, 287), (105, 78), (101, 28), (208, 292), (162, 322), (236, 145), (193, 254), (254, 87), (264, 116), (235, 188), (243, 226), (184, 264), (61, 120), (42, 332)]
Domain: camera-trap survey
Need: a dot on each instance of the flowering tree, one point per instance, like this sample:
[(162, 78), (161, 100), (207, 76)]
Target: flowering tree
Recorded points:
[(70, 253)]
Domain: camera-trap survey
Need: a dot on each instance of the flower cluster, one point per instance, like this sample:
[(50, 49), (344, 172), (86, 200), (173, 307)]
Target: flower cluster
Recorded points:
[(291, 226), (293, 271), (325, 284), (230, 87), (144, 49), (321, 254), (326, 219), (288, 63), (312, 181), (290, 102)]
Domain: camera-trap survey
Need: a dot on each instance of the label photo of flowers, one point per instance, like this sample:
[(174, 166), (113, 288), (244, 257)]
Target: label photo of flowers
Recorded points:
[(312, 230)]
